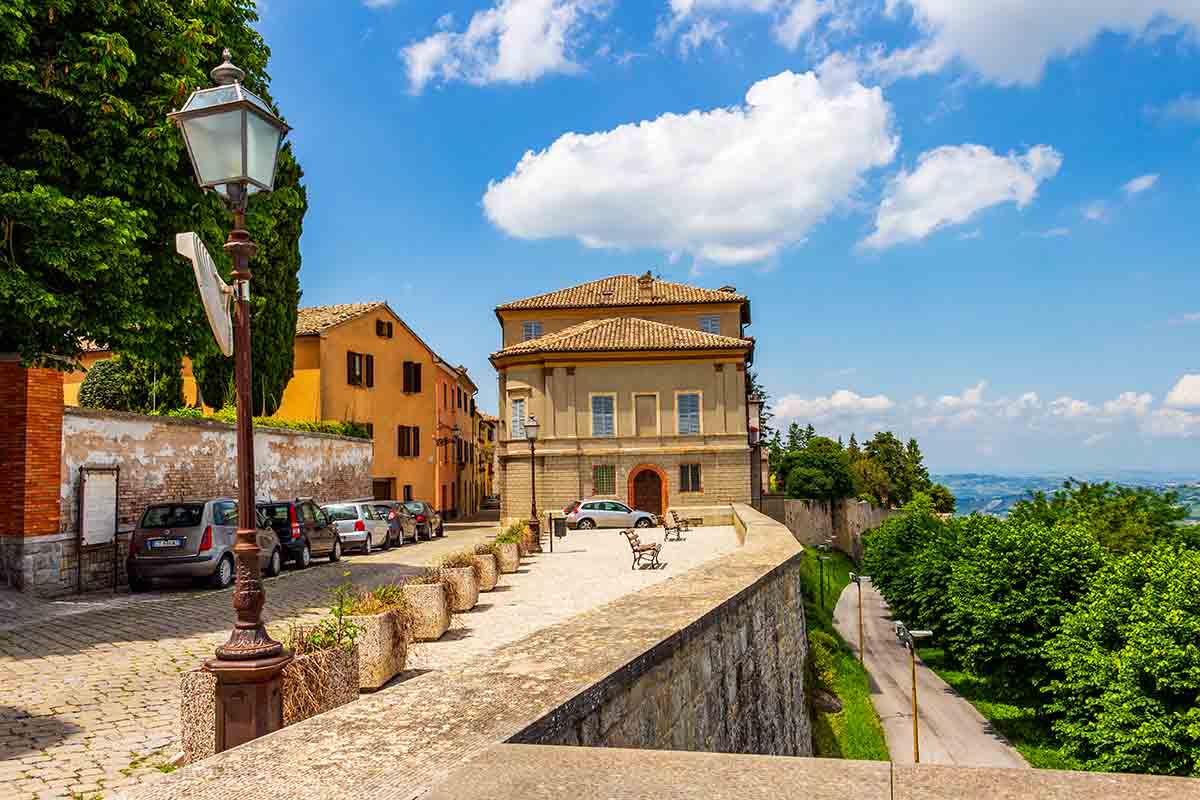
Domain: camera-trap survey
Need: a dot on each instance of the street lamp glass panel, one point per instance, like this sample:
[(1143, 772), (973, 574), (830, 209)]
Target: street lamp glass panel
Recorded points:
[(262, 147), (214, 141), (531, 428)]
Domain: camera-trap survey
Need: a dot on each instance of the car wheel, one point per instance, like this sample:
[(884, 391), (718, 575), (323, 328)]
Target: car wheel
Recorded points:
[(274, 563), (224, 574), (387, 541), (367, 546), (336, 553), (643, 522), (138, 585), (305, 557), (441, 530), (586, 524)]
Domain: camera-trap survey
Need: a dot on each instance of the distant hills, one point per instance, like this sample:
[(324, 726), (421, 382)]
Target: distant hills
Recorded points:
[(996, 494)]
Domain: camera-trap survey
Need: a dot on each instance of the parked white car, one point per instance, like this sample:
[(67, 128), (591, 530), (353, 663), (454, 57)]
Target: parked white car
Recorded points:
[(359, 525), (587, 514)]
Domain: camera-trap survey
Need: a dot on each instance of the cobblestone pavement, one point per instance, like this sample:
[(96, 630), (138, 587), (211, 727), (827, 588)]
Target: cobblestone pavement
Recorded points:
[(88, 686)]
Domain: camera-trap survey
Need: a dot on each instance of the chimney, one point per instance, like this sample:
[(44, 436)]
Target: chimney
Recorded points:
[(646, 287), (728, 288)]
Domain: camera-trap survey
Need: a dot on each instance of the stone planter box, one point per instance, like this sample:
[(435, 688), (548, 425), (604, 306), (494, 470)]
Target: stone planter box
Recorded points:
[(382, 649), (509, 558), (466, 590), (431, 614), (489, 574), (330, 676)]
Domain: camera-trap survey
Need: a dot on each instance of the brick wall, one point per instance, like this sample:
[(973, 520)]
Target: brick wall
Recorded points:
[(168, 459), (31, 410), (725, 478)]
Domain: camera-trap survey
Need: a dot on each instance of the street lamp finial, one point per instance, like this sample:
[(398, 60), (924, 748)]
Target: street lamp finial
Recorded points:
[(226, 73)]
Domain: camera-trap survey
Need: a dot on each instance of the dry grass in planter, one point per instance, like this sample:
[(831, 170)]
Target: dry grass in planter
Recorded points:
[(385, 618), (460, 570), (324, 673), (487, 566), (431, 597)]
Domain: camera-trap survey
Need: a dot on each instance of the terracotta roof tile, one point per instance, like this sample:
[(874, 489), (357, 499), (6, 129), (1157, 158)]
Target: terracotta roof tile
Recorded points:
[(624, 333), (623, 290), (314, 319)]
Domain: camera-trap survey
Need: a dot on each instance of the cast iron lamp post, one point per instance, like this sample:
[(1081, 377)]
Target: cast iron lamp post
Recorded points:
[(908, 639), (535, 528), (233, 140), (754, 404)]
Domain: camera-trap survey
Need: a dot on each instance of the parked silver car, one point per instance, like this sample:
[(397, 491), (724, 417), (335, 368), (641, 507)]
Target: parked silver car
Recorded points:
[(587, 514), (193, 539), (359, 525)]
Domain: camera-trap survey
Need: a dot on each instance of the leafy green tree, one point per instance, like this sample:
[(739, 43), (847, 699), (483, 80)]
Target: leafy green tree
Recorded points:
[(870, 480), (890, 555), (1129, 660), (795, 437), (888, 452), (104, 386), (853, 451), (916, 475), (1010, 589), (1124, 519), (943, 498), (95, 181), (819, 470)]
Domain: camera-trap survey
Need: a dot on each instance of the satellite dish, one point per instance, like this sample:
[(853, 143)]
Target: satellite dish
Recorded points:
[(215, 293)]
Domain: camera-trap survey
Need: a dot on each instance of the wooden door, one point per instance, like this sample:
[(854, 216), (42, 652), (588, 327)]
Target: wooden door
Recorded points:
[(646, 413), (647, 492)]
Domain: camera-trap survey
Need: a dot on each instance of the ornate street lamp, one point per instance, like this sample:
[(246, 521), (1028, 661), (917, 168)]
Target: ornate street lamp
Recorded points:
[(862, 641), (535, 528), (754, 405), (233, 141)]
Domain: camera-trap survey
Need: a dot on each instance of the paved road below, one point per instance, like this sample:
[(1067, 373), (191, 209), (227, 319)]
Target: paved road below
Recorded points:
[(951, 731)]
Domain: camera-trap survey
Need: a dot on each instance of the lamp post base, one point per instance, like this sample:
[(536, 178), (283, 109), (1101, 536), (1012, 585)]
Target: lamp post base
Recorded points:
[(535, 529), (249, 698)]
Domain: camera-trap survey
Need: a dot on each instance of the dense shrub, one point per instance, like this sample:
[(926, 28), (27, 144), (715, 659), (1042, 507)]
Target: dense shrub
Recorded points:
[(125, 383), (822, 648), (1129, 657), (818, 470), (890, 554), (1009, 591), (228, 415)]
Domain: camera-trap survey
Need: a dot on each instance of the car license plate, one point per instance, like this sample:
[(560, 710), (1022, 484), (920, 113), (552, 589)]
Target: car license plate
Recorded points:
[(166, 542)]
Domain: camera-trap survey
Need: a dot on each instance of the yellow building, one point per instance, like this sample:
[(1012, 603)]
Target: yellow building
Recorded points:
[(639, 386), (485, 454), (455, 437), (360, 362)]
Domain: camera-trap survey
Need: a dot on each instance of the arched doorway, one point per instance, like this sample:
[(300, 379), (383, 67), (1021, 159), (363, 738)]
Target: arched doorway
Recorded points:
[(648, 489)]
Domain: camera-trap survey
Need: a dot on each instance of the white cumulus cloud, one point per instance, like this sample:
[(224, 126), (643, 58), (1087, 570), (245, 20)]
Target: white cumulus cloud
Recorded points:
[(730, 185), (841, 403), (1140, 184), (791, 20), (515, 41), (1129, 403), (1011, 41), (953, 183), (1186, 393)]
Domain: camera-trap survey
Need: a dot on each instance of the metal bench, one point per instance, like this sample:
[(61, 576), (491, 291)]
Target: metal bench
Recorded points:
[(644, 555), (671, 527), (680, 523)]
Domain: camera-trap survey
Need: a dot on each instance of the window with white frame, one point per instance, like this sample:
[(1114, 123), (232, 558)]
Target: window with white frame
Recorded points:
[(689, 413), (518, 418), (711, 323), (604, 415), (531, 329)]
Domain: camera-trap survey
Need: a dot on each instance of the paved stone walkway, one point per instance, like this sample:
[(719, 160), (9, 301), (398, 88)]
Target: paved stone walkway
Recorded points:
[(90, 700), (88, 686)]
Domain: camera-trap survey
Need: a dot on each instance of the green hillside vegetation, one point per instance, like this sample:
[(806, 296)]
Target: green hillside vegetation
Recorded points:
[(1073, 625)]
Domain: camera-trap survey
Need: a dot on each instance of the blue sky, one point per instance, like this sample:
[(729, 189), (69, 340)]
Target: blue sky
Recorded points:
[(972, 223)]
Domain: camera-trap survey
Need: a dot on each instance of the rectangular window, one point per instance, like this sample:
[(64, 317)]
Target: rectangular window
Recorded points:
[(412, 378), (603, 416), (604, 479), (354, 368), (689, 413), (370, 369), (408, 495), (416, 440), (383, 329), (517, 420), (402, 444), (531, 330), (689, 478), (370, 430), (711, 323)]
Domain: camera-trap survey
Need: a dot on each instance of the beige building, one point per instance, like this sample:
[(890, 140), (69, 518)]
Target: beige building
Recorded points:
[(639, 387)]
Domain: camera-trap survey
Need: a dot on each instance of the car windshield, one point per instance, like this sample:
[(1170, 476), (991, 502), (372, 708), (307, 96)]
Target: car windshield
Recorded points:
[(415, 506), (177, 515), (341, 513)]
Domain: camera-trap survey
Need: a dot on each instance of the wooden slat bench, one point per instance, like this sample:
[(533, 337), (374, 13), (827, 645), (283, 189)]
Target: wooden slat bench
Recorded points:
[(671, 527), (645, 555)]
